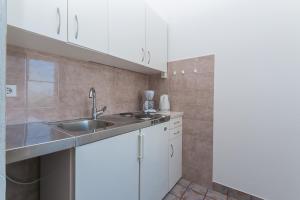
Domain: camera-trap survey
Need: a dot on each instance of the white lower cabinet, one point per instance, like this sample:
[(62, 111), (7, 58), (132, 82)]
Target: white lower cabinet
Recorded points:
[(154, 167), (175, 151), (175, 160), (108, 169)]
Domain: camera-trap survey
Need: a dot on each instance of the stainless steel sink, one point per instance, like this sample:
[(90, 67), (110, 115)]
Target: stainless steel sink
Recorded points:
[(84, 125)]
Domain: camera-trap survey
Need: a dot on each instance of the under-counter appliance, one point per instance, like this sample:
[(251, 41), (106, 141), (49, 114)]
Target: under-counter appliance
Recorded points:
[(148, 105)]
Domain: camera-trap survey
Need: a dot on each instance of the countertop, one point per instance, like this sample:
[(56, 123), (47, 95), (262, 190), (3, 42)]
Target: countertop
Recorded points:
[(172, 114), (24, 141)]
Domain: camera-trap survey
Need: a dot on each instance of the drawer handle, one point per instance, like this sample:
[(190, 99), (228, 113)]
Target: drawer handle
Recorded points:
[(176, 122), (177, 132), (172, 153)]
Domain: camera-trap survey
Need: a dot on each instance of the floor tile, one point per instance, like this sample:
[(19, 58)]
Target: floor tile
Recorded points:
[(220, 188), (198, 188), (192, 195), (184, 182), (238, 195), (231, 198), (255, 198), (178, 190), (213, 195), (171, 197)]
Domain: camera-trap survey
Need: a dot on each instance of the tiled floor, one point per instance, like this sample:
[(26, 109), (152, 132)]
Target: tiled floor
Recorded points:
[(185, 190)]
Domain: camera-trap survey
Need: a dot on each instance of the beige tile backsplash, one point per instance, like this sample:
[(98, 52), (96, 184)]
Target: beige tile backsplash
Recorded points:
[(192, 93), (53, 88)]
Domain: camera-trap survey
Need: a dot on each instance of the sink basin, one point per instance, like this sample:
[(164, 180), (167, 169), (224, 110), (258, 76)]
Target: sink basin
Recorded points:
[(84, 125)]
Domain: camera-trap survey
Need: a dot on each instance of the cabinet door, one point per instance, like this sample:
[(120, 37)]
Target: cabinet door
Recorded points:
[(156, 41), (175, 160), (108, 169), (154, 175), (127, 30), (88, 24), (48, 18)]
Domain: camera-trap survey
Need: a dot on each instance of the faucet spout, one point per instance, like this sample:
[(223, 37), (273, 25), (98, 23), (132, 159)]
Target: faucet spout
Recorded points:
[(95, 112), (92, 93)]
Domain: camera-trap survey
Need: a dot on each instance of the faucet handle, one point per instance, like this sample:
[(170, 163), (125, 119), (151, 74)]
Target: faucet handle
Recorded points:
[(102, 110)]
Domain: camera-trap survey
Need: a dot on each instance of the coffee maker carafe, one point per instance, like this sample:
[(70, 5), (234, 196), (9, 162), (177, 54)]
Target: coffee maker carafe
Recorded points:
[(148, 101)]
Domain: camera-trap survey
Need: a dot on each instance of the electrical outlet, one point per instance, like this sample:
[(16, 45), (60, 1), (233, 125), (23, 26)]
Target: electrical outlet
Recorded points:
[(11, 90)]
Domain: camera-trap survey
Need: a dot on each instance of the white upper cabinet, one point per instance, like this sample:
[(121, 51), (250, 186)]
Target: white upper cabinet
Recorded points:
[(47, 18), (156, 41), (88, 24), (127, 30), (110, 32)]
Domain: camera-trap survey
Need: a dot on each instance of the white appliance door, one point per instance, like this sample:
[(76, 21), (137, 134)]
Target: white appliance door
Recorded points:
[(108, 169), (154, 172)]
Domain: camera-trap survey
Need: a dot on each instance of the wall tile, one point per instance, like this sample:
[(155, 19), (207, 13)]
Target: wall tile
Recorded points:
[(192, 93), (20, 100), (16, 64), (43, 114), (42, 70), (42, 94), (16, 116), (58, 87)]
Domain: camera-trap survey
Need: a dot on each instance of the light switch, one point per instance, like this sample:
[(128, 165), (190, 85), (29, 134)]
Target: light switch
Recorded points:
[(11, 90)]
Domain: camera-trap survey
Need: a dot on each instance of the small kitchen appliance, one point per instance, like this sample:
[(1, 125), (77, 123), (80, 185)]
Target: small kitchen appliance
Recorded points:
[(148, 105), (164, 104)]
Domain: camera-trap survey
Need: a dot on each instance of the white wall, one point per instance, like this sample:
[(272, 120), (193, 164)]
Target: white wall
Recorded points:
[(257, 87), (2, 96)]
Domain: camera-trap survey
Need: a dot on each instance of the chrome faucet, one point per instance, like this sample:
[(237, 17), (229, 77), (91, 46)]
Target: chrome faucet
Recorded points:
[(95, 112)]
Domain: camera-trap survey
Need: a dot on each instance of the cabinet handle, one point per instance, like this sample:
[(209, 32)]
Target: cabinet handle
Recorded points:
[(77, 27), (149, 55), (172, 154), (165, 129), (143, 51), (59, 20)]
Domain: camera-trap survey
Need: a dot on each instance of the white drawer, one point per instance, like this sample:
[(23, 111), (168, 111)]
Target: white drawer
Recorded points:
[(175, 132), (174, 123)]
